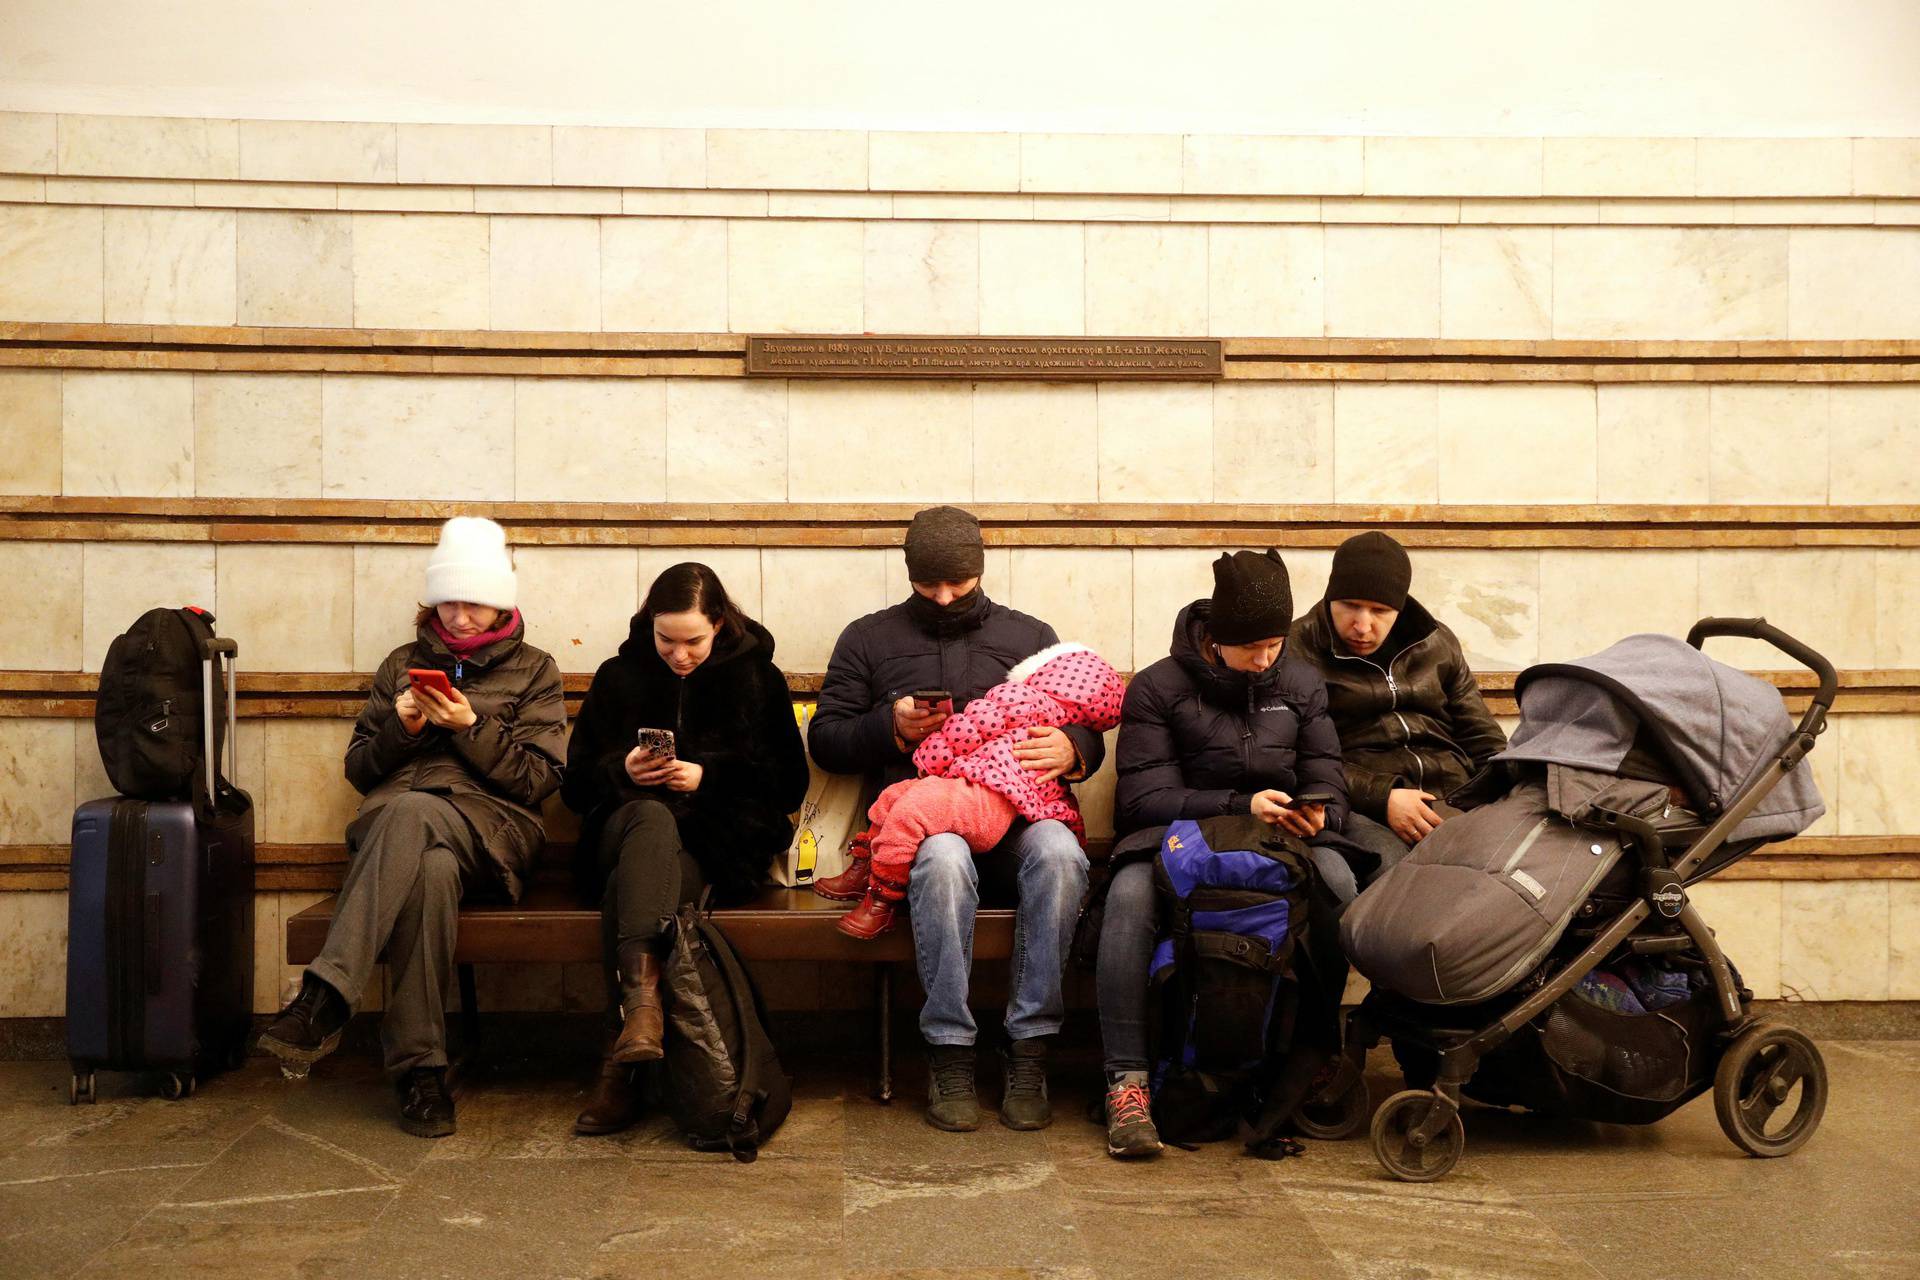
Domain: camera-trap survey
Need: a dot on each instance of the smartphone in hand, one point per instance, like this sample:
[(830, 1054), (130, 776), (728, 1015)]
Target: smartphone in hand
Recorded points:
[(657, 742), (933, 700), (431, 679), (1306, 798)]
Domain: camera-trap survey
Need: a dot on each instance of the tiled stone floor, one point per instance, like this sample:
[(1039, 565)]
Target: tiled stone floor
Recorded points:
[(259, 1177)]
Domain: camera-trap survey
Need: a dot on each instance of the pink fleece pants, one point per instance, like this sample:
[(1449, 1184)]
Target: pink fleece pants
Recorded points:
[(907, 813)]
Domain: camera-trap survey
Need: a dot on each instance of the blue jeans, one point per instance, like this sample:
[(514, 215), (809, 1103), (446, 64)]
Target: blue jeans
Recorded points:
[(1048, 871)]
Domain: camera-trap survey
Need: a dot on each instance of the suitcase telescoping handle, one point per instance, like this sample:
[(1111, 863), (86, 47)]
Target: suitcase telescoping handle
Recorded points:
[(210, 651)]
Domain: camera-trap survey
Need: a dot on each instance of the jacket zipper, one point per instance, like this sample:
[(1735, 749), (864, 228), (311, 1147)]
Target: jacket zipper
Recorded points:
[(1246, 735), (1393, 704)]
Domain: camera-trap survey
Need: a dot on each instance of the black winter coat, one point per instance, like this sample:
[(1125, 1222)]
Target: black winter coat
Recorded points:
[(885, 656), (732, 716), (1198, 740), (1409, 715)]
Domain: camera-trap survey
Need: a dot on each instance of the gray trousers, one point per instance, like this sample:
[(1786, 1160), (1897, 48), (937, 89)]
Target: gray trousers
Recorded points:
[(402, 895), (1376, 838)]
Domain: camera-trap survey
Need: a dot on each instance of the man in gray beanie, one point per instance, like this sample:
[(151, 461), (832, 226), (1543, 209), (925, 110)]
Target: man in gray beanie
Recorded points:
[(948, 638)]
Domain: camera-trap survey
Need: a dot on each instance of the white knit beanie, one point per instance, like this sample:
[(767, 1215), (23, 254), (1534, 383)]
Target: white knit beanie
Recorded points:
[(471, 564)]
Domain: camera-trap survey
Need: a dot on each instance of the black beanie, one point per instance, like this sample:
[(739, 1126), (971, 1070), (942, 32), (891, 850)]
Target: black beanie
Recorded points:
[(1252, 599), (943, 545), (1371, 566)]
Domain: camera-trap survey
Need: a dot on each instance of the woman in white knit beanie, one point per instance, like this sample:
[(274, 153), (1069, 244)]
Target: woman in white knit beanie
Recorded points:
[(462, 737)]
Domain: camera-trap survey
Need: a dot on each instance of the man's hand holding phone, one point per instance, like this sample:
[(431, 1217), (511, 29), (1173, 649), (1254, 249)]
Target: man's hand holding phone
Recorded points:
[(919, 714), (1304, 815)]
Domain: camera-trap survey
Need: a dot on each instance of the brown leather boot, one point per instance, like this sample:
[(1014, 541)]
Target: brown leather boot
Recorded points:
[(850, 885), (615, 1103), (643, 1020), (873, 917)]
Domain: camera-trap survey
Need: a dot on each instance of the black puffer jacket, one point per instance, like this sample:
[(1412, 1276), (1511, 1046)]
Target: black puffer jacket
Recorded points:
[(732, 716), (1409, 715), (886, 655), (1198, 739)]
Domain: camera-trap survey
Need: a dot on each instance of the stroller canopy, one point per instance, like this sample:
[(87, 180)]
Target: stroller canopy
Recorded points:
[(1717, 728)]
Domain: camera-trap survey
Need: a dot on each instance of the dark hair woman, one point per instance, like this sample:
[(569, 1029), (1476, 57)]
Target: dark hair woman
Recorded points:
[(663, 817)]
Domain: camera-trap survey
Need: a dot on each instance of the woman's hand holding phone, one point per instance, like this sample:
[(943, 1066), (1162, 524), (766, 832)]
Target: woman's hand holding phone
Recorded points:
[(1278, 809)]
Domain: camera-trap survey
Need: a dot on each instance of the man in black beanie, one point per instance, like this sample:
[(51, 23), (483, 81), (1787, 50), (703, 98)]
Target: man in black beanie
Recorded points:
[(947, 637), (1412, 723)]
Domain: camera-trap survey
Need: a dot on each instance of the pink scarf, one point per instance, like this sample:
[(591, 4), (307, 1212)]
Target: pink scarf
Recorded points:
[(461, 648)]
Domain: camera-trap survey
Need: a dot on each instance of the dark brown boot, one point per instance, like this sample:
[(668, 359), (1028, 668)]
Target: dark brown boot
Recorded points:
[(850, 885), (615, 1103), (873, 917), (643, 1022)]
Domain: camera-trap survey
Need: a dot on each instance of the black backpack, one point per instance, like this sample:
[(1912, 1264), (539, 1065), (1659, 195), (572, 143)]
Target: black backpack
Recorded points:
[(147, 716), (724, 1084)]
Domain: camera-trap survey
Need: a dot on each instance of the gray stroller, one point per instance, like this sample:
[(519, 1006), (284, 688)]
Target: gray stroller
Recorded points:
[(1540, 949)]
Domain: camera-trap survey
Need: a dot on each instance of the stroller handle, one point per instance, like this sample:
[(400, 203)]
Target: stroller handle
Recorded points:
[(1760, 629)]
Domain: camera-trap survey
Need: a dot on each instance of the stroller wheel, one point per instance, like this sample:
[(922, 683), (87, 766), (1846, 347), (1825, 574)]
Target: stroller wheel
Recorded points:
[(1770, 1090), (1395, 1146), (1334, 1119)]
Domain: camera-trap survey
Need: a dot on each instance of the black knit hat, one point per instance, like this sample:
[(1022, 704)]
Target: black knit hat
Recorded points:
[(1252, 598), (943, 545), (1371, 566)]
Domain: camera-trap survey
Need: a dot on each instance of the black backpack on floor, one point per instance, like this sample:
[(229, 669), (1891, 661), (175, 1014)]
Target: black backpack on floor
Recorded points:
[(725, 1087), (147, 716)]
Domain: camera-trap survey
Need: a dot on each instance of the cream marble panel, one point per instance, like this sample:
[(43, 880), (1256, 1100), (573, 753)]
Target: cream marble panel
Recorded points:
[(871, 441), (377, 430), (590, 439), (305, 797), (122, 580), (599, 156), (1589, 599), (256, 435), (1496, 282), (1491, 599), (1165, 581), (663, 275), (1824, 597), (829, 204), (1896, 575), (546, 273), (1102, 208), (968, 207), (790, 159), (1557, 213), (38, 785), (1617, 166), (1877, 761), (1834, 943), (385, 198), (797, 581), (1032, 279), (1745, 918), (1794, 213), (1142, 163), (996, 575), (290, 607), (1653, 443), (943, 161), (656, 203), (1517, 444), (795, 277), (296, 269), (1886, 166), (28, 141), (127, 433), (1774, 167), (22, 190), (591, 201), (505, 155), (1156, 442), (269, 945), (1273, 442), (1036, 442), (388, 582), (1375, 209), (33, 955), (1893, 213), (1245, 209), (1240, 164), (1668, 213), (149, 146), (577, 601), (1085, 595), (112, 191), (1846, 282), (52, 263), (419, 271), (1903, 936), (171, 266), (1095, 795), (1383, 282), (1386, 442), (922, 277), (1453, 166), (1669, 282), (738, 567), (318, 151), (1767, 443), (726, 440), (1149, 281), (1266, 281), (40, 606), (1828, 762), (30, 449)]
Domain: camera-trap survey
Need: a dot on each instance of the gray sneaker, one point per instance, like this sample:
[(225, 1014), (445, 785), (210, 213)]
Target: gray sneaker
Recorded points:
[(1130, 1131), (952, 1103), (1023, 1103)]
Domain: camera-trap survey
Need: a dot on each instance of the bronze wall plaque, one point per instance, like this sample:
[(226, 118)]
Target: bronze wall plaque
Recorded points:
[(865, 356)]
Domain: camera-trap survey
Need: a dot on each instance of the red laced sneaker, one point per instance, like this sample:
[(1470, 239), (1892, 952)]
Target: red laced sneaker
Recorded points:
[(1130, 1131)]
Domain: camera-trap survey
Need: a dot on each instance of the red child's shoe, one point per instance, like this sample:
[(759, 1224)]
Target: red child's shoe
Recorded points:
[(850, 885), (873, 917)]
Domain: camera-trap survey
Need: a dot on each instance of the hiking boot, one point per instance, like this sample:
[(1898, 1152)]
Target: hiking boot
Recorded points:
[(308, 1029), (874, 916), (952, 1103), (1023, 1103), (643, 1022), (1130, 1131), (850, 885), (615, 1104), (426, 1108)]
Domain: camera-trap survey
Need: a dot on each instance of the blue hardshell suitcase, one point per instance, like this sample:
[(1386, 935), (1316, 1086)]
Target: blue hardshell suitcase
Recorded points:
[(160, 926)]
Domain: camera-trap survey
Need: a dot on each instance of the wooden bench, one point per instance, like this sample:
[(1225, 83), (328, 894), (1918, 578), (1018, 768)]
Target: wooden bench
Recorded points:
[(551, 925)]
